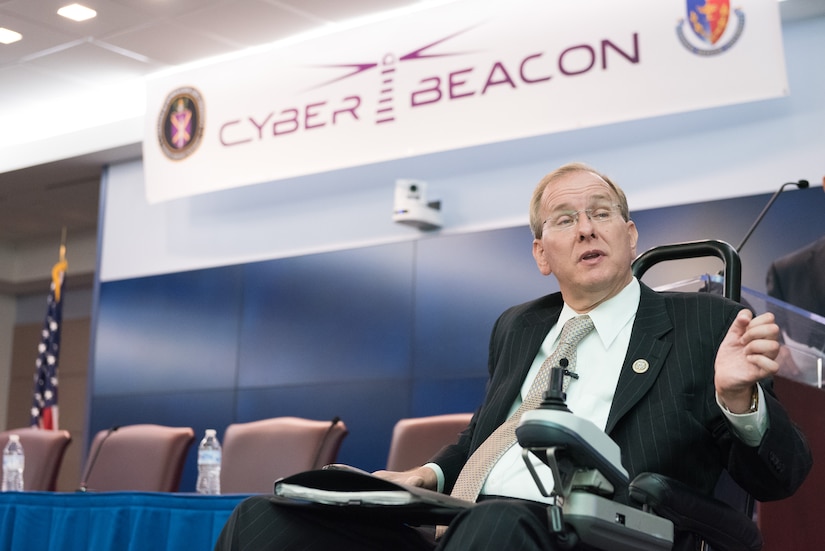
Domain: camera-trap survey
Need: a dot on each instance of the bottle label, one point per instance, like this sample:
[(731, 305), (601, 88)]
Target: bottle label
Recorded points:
[(209, 457), (13, 462)]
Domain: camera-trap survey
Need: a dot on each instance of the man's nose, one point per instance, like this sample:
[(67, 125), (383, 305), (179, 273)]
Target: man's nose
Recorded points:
[(584, 225)]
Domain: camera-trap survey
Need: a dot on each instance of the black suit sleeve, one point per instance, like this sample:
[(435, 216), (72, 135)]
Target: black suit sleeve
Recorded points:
[(778, 466)]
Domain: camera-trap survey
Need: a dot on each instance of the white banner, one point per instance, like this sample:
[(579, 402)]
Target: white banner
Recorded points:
[(451, 76)]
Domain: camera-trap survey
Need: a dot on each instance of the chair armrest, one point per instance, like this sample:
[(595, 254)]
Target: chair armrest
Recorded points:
[(720, 525)]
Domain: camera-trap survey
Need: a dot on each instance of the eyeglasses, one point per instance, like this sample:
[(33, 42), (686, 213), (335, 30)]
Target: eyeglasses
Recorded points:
[(568, 220)]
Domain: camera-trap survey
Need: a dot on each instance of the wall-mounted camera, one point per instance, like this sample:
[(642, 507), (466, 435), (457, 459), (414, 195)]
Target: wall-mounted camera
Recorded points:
[(412, 207)]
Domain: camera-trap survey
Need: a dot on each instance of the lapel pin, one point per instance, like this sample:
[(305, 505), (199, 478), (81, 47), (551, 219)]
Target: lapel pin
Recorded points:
[(640, 366)]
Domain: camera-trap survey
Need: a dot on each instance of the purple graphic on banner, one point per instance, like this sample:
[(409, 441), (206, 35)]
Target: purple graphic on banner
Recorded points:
[(420, 53), (385, 109)]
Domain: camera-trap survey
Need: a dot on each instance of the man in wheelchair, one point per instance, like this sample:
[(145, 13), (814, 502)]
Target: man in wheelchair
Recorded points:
[(677, 385)]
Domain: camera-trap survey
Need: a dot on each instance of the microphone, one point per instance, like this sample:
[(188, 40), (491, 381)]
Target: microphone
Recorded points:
[(801, 184), (335, 420), (83, 485), (564, 363)]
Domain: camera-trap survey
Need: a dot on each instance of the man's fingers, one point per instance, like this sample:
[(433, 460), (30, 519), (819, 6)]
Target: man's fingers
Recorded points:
[(761, 327)]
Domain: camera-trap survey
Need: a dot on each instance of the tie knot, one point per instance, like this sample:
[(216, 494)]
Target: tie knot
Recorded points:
[(576, 329)]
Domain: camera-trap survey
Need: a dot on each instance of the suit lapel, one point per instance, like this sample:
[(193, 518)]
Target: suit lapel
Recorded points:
[(652, 322)]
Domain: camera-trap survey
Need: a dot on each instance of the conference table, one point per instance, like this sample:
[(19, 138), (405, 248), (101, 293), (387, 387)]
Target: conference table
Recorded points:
[(112, 521)]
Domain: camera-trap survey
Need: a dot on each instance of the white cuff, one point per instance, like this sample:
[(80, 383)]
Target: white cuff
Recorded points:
[(439, 474), (749, 427)]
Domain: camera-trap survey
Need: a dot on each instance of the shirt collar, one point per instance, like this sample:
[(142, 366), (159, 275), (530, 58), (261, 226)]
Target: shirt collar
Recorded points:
[(610, 316)]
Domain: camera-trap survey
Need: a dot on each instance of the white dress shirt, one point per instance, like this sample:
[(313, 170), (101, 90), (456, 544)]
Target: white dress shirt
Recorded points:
[(599, 358)]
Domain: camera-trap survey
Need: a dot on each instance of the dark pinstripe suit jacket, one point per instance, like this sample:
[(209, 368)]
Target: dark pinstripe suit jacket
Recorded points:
[(665, 420)]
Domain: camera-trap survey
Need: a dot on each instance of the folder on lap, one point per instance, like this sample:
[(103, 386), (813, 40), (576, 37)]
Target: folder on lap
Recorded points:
[(357, 492)]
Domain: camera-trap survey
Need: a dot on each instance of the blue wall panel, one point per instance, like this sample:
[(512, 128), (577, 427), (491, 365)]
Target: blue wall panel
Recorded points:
[(463, 282), (338, 316), (168, 333), (435, 396)]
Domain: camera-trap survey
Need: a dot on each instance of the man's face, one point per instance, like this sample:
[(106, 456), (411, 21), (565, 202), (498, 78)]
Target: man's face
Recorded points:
[(590, 258)]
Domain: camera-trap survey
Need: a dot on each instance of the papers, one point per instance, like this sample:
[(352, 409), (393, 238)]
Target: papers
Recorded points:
[(356, 492), (330, 497)]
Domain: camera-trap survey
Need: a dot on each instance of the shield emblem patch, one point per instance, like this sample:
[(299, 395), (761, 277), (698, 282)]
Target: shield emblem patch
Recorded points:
[(708, 18)]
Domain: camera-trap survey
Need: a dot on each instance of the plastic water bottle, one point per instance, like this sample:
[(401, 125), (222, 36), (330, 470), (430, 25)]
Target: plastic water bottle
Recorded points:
[(209, 464), (13, 463)]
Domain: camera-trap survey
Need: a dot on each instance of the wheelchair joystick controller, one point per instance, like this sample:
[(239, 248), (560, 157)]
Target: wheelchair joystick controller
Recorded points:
[(587, 472), (554, 397), (568, 444)]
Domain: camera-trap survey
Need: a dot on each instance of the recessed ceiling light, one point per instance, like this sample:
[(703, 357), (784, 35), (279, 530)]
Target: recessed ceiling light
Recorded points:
[(7, 36), (76, 12)]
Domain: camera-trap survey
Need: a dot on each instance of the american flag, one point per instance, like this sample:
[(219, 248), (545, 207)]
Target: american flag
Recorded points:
[(44, 402)]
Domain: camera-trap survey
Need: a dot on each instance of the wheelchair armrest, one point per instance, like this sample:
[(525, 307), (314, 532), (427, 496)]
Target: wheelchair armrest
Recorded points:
[(720, 525)]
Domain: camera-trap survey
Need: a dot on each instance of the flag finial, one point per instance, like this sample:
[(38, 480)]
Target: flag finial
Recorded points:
[(59, 269)]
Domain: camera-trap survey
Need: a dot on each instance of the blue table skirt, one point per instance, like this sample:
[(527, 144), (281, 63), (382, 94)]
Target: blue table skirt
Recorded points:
[(112, 521)]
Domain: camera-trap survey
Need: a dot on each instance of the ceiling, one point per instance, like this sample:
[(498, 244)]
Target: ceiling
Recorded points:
[(127, 40)]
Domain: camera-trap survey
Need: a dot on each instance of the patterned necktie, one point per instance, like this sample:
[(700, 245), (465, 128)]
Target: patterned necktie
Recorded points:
[(478, 466)]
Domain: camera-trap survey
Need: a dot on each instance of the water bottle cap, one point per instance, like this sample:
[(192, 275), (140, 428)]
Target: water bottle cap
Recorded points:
[(210, 432), (14, 437)]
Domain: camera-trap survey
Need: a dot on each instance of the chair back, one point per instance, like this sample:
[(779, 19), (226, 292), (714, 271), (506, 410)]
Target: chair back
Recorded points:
[(416, 440), (257, 453), (145, 457), (44, 451)]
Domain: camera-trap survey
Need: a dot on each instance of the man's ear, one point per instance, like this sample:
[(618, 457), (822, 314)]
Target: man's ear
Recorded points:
[(541, 260), (634, 235)]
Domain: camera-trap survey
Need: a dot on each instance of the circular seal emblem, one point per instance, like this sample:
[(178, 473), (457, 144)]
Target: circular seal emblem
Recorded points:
[(707, 30), (180, 124)]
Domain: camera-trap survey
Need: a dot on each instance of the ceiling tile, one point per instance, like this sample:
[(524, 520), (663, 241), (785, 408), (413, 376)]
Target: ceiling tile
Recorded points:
[(171, 43), (93, 64), (166, 8), (35, 39), (340, 11), (249, 22), (111, 17)]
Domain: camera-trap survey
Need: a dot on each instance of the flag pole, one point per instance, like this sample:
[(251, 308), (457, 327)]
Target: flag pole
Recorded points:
[(44, 410)]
